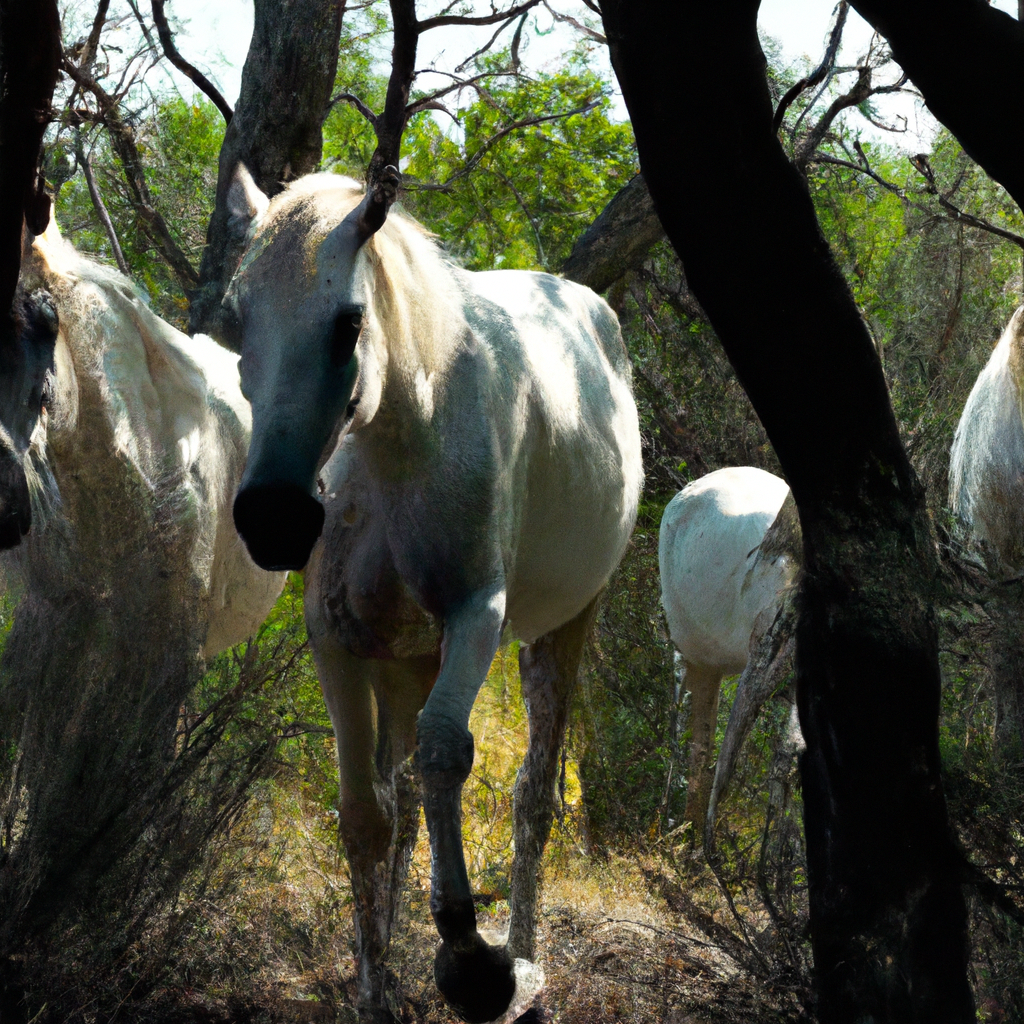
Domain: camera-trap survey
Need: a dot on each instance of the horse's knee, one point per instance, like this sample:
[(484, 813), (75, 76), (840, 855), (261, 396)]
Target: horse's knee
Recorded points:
[(444, 752)]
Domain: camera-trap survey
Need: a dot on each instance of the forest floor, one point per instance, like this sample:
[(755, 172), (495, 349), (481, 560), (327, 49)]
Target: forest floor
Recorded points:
[(620, 940)]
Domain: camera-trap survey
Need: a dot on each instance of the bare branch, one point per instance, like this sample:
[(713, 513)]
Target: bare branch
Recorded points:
[(952, 212), (920, 163), (88, 54), (98, 205), (820, 72), (423, 103), (576, 24), (188, 70), (487, 19), (347, 97), (813, 139), (483, 49), (122, 140), (483, 149)]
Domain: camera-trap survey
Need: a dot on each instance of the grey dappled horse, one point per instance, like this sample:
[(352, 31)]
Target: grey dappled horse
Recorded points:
[(479, 467), (132, 439), (986, 493)]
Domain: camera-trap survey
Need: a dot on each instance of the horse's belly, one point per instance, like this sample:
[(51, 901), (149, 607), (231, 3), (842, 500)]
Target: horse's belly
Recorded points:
[(563, 563)]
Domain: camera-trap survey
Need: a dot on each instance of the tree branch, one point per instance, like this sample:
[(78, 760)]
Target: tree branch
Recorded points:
[(188, 70), (99, 205), (347, 97), (496, 137), (566, 19), (819, 73), (122, 140), (921, 164), (487, 19)]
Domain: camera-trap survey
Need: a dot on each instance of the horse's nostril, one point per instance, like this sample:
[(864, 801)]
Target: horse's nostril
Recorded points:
[(279, 523)]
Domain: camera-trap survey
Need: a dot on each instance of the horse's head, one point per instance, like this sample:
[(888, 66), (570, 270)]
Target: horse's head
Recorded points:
[(27, 343), (301, 299)]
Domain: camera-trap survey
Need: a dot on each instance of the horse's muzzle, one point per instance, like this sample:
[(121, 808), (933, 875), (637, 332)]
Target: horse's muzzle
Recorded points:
[(279, 523)]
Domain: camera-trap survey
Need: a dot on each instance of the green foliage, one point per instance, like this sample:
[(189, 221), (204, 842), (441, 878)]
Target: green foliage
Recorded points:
[(519, 197), (180, 144)]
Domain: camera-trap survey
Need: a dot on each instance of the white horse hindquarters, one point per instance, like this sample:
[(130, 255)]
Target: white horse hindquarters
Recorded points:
[(986, 489), (711, 589)]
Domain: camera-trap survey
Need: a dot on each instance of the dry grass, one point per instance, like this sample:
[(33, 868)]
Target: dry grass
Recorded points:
[(646, 937)]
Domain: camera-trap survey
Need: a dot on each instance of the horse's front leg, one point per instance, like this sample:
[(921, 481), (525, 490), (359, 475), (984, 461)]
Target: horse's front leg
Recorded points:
[(477, 979), (378, 806)]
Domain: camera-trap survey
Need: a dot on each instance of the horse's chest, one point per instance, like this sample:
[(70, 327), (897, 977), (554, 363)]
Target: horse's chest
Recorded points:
[(370, 608)]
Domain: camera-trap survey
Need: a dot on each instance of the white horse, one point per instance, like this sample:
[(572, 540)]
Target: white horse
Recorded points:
[(484, 482), (986, 493), (722, 594), (132, 572)]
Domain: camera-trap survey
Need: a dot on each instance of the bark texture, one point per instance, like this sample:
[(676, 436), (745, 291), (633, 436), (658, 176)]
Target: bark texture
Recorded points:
[(276, 131), (888, 920), (618, 240)]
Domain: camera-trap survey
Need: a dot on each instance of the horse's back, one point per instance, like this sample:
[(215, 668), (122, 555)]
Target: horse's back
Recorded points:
[(986, 471), (582, 470), (712, 584)]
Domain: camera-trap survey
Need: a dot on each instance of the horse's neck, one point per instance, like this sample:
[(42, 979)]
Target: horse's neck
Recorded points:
[(416, 352)]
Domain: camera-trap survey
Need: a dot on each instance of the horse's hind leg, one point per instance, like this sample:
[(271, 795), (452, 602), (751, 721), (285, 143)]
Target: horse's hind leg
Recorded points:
[(704, 685), (548, 669), (378, 806)]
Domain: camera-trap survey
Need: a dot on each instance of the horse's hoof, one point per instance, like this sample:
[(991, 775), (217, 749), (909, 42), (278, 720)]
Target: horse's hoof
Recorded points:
[(478, 982)]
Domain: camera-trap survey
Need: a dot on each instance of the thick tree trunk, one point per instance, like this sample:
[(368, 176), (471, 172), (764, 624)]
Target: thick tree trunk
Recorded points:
[(276, 131), (888, 920), (29, 56)]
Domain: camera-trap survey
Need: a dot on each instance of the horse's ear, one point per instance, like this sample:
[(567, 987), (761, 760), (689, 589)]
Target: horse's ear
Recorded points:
[(373, 210), (247, 203)]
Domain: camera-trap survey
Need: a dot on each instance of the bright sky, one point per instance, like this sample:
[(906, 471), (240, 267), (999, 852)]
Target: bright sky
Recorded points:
[(216, 38)]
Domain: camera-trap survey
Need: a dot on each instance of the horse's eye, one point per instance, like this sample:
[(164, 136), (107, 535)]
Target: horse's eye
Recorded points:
[(346, 333)]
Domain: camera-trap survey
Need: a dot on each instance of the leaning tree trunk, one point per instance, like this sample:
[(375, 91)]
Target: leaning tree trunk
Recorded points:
[(276, 131), (29, 57), (888, 919)]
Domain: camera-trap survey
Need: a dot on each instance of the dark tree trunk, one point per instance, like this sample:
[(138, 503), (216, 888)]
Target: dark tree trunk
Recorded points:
[(276, 130), (29, 56), (967, 58), (888, 920), (618, 240)]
